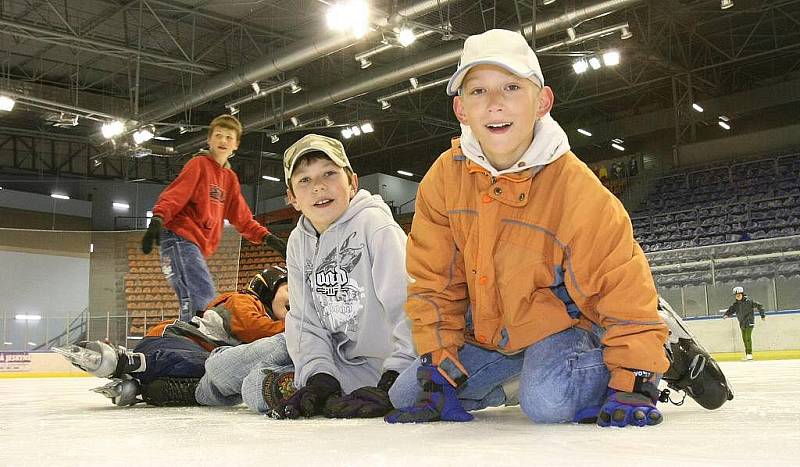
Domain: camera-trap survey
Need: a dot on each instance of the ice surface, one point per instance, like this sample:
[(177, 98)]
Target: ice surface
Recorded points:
[(60, 422)]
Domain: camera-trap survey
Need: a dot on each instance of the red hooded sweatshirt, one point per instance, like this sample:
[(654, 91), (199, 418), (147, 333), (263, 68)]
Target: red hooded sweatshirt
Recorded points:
[(196, 204)]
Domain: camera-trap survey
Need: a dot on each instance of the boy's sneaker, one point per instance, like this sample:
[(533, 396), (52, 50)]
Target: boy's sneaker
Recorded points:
[(748, 357), (278, 386), (103, 360), (691, 367), (170, 391), (122, 391)]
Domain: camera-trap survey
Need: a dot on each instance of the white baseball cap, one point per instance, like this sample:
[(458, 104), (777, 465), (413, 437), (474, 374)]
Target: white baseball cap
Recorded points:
[(331, 147), (501, 47)]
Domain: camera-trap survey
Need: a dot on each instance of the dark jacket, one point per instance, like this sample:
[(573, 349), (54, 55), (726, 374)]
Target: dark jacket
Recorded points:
[(744, 311)]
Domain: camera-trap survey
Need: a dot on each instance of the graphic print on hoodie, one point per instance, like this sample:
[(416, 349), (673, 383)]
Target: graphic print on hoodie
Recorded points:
[(340, 296)]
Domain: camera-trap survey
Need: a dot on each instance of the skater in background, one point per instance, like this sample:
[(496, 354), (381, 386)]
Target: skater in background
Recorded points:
[(744, 309), (188, 218), (166, 366), (525, 267)]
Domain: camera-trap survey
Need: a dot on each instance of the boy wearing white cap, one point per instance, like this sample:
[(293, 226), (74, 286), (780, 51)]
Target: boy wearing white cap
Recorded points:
[(523, 266)]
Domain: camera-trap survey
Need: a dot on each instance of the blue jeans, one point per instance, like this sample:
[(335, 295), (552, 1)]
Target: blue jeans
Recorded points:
[(234, 374), (558, 376), (187, 272), (171, 356)]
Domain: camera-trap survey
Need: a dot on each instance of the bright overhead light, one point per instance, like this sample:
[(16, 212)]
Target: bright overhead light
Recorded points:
[(97, 162), (697, 107), (273, 139), (271, 178), (365, 63), (120, 205), (414, 82), (571, 33), (584, 132), (163, 138), (617, 147), (112, 129), (7, 103), (724, 118), (403, 172), (385, 105), (355, 130), (233, 110), (547, 2), (328, 121), (347, 133), (594, 62), (611, 58), (724, 125), (617, 140), (367, 127), (294, 88), (294, 121), (625, 33), (59, 196), (580, 66), (143, 135), (406, 36), (350, 15), (725, 4), (256, 87), (28, 318)]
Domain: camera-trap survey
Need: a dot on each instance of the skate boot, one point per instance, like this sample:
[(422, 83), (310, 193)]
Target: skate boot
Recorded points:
[(278, 386), (691, 368), (122, 391), (170, 391), (101, 359)]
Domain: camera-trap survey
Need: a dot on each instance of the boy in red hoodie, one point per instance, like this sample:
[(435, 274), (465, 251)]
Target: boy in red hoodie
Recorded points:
[(188, 218)]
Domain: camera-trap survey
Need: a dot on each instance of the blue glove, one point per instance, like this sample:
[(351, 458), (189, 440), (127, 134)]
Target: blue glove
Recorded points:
[(628, 408), (437, 402)]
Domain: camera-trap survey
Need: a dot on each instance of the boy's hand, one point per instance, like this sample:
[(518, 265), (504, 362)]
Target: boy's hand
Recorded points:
[(365, 402), (276, 243), (436, 402), (628, 408), (153, 234), (310, 399)]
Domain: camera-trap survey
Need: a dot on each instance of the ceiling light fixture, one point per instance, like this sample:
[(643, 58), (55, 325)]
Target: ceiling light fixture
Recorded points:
[(697, 107), (112, 129), (271, 178), (625, 33), (725, 4), (273, 139), (414, 82), (594, 62), (611, 58), (367, 127), (347, 133), (580, 66), (384, 104), (618, 147), (355, 130), (59, 196), (584, 132), (6, 103), (406, 173), (143, 135), (406, 36)]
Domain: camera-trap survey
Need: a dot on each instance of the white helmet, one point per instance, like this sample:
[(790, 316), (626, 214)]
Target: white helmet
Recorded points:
[(738, 290)]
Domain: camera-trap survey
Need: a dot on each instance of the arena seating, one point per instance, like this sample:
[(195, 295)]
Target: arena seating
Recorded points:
[(721, 204)]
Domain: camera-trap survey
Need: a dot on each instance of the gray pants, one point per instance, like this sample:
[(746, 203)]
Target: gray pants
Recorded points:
[(236, 374)]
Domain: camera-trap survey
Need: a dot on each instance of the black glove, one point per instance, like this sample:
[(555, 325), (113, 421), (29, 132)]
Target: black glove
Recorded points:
[(365, 402), (310, 399), (153, 234), (276, 243)]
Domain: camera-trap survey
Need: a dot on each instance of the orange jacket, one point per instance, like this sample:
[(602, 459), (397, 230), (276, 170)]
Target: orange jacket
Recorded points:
[(196, 203), (231, 319), (528, 255)]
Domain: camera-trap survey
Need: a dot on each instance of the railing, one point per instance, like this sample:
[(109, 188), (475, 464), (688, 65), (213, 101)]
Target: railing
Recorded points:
[(77, 330)]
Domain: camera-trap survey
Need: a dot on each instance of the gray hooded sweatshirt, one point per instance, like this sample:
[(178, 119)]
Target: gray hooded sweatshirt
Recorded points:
[(347, 290)]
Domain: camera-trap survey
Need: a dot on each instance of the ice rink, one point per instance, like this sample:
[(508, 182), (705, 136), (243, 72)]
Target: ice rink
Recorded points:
[(58, 421)]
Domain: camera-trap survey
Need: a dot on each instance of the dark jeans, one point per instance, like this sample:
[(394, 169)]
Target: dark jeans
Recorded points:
[(747, 338), (171, 356), (187, 272)]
